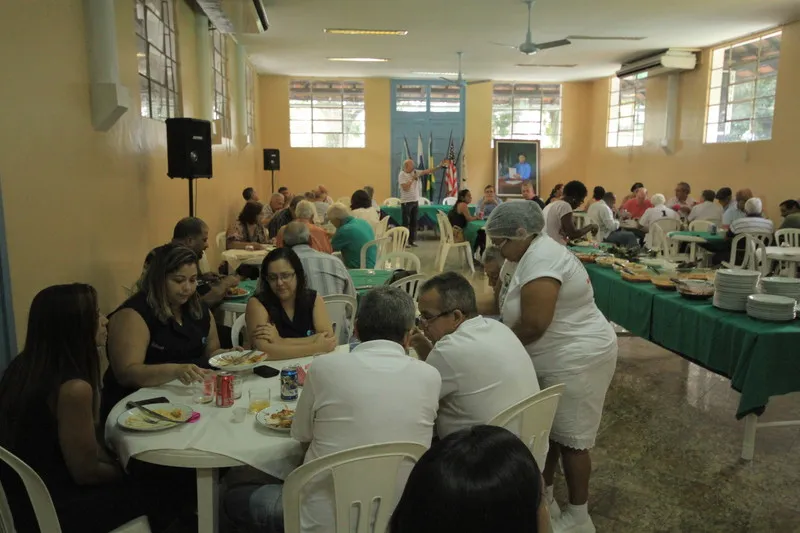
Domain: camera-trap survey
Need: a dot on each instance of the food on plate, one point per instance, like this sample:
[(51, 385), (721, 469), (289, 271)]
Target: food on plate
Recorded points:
[(145, 420), (636, 278), (663, 284), (237, 359), (586, 258), (606, 261), (237, 291), (696, 289), (282, 418)]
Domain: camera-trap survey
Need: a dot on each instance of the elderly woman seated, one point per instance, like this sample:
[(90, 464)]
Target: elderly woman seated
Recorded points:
[(247, 231), (550, 306), (351, 235)]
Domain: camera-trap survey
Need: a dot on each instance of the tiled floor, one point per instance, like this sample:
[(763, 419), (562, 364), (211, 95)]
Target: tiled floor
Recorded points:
[(668, 454)]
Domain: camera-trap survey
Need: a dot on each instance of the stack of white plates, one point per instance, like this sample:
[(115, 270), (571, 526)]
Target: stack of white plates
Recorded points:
[(732, 287), (789, 287), (770, 307)]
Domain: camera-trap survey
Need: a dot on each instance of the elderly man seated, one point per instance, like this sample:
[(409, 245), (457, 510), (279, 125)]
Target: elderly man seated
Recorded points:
[(276, 203), (283, 217), (601, 213), (752, 222), (305, 212), (373, 395), (351, 235), (478, 379)]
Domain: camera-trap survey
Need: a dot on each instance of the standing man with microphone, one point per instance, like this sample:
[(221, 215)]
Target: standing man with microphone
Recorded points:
[(410, 190)]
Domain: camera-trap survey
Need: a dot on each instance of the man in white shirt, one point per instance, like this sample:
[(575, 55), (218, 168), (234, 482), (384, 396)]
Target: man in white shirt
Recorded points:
[(373, 395), (707, 209), (601, 213), (410, 188), (737, 210), (682, 202), (485, 369), (659, 211)]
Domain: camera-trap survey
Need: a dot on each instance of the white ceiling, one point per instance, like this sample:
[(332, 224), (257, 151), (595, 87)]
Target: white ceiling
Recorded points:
[(296, 45)]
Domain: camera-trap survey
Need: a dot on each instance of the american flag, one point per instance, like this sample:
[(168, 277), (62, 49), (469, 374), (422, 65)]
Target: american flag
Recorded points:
[(451, 172)]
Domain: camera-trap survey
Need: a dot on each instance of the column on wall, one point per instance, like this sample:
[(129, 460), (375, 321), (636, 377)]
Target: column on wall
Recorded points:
[(240, 96), (205, 77)]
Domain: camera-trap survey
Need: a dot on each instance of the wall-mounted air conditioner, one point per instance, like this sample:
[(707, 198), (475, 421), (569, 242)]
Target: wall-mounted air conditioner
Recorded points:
[(665, 62)]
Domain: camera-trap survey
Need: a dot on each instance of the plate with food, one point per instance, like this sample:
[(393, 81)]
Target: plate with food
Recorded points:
[(138, 420), (586, 258), (237, 292), (663, 283), (637, 277), (606, 261), (236, 361), (276, 418), (695, 289)]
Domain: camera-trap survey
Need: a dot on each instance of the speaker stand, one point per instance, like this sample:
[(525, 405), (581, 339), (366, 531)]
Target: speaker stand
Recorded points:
[(191, 197), (273, 180)]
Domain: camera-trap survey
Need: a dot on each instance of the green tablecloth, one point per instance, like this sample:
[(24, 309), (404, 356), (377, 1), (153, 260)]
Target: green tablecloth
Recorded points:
[(591, 249), (365, 279), (760, 358), (471, 231), (715, 238), (425, 211)]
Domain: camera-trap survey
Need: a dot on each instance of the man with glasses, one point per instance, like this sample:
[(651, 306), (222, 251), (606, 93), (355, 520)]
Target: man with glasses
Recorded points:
[(484, 367)]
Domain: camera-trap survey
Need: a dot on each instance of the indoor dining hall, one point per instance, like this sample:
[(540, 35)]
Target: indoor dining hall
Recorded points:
[(359, 266)]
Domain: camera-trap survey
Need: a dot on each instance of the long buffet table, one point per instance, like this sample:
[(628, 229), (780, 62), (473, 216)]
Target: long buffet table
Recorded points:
[(761, 359)]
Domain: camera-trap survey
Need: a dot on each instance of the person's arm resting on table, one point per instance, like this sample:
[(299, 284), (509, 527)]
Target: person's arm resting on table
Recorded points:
[(538, 304), (568, 227), (128, 338), (266, 339)]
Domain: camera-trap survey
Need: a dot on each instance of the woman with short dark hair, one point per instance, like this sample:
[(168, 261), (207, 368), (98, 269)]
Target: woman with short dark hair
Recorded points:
[(286, 319), (247, 231), (361, 207), (558, 214), (555, 194), (475, 480)]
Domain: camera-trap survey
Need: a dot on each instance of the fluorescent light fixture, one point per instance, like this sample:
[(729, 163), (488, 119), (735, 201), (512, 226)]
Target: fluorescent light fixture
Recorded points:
[(435, 73), (349, 31), (359, 59)]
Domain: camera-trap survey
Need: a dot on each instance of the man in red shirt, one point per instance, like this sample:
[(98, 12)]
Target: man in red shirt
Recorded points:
[(638, 205)]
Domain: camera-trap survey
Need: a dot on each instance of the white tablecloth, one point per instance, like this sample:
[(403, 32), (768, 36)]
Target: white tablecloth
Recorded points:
[(239, 257), (784, 253), (272, 452)]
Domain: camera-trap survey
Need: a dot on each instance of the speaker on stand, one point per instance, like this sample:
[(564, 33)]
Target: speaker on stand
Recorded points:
[(189, 151), (272, 162)]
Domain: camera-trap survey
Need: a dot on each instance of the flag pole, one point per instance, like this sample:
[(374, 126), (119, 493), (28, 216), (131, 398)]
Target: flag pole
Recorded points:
[(441, 185)]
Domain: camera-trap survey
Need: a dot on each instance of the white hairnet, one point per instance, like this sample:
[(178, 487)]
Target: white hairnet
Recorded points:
[(515, 220)]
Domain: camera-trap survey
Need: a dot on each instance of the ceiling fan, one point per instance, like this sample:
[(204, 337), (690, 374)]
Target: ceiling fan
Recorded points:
[(529, 47), (460, 80)]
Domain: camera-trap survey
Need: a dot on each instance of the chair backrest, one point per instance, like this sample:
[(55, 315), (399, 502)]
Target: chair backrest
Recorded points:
[(342, 310), (790, 236), (411, 284), (343, 200), (364, 485), (445, 228), (579, 220), (755, 252), (222, 242), (237, 329), (380, 229), (450, 200), (424, 201), (381, 243), (37, 492), (536, 414), (764, 237), (399, 260), (660, 242), (391, 202), (399, 239), (700, 225)]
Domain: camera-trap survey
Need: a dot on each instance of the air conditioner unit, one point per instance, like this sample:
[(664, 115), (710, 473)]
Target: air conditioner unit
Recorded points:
[(236, 16), (665, 62)]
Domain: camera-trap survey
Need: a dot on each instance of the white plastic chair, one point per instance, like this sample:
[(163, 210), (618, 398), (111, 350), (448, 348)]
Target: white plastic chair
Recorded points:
[(42, 503), (399, 260), (700, 225), (790, 236), (579, 220), (342, 310), (222, 242), (536, 414), (696, 252), (399, 239), (364, 485), (239, 326), (391, 202), (447, 242), (424, 201), (380, 229), (755, 254), (411, 284), (382, 244), (450, 200), (667, 248)]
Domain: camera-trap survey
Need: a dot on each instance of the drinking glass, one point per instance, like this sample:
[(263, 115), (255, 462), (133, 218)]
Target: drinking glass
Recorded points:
[(259, 400), (204, 390)]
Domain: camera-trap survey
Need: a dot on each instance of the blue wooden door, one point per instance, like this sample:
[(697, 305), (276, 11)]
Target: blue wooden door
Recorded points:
[(8, 345), (423, 109)]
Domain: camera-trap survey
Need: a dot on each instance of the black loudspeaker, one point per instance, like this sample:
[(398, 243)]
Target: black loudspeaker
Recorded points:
[(188, 148), (272, 159)]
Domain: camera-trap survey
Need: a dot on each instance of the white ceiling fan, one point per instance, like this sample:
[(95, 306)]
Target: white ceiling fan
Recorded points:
[(529, 47), (460, 80)]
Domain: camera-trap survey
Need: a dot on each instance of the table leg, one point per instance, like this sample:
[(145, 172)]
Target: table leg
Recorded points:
[(749, 444), (207, 500)]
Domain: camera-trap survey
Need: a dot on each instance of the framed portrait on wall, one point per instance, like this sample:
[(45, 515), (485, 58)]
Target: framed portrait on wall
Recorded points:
[(515, 162)]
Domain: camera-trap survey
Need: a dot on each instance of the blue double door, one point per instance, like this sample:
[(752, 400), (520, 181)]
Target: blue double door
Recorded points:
[(424, 109)]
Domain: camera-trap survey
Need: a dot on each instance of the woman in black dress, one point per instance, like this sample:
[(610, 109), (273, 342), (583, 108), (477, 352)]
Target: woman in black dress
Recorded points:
[(286, 319), (49, 404), (459, 216)]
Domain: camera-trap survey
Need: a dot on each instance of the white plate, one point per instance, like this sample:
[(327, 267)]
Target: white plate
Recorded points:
[(738, 273), (218, 361), (781, 281), (263, 417), (134, 419), (772, 300), (234, 297)]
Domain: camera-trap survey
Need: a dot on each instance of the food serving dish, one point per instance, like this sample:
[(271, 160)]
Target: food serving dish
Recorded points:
[(236, 361), (138, 420)]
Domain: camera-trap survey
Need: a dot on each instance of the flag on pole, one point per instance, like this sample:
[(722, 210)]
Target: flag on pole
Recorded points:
[(408, 150), (451, 171), (432, 177)]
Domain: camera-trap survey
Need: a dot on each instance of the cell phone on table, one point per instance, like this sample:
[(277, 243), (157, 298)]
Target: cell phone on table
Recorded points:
[(148, 401), (266, 371)]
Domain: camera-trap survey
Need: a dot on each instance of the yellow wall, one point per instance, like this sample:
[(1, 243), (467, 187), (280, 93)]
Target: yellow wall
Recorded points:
[(82, 205), (769, 168)]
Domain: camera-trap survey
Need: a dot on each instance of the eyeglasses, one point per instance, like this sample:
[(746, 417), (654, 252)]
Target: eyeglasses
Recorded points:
[(425, 320), (283, 276)]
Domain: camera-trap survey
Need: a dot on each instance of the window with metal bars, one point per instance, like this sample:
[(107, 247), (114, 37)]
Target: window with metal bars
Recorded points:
[(626, 111), (251, 79), (221, 107), (326, 114), (157, 57), (527, 111)]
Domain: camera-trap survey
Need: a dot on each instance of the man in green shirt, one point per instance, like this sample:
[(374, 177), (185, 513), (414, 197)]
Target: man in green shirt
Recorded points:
[(790, 211), (351, 235)]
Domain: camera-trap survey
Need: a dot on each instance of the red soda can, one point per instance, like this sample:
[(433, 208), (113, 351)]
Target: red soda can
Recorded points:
[(225, 389)]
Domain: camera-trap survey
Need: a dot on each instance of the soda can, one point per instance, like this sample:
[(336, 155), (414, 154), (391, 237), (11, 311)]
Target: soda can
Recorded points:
[(289, 383), (225, 393), (713, 229)]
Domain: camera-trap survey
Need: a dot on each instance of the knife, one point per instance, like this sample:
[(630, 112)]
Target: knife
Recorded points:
[(152, 413)]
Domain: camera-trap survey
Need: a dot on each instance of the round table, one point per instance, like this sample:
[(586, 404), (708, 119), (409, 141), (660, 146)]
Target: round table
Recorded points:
[(785, 254), (233, 307), (245, 257), (213, 442)]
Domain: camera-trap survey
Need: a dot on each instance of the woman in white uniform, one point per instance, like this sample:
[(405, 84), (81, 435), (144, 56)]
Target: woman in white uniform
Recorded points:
[(550, 306)]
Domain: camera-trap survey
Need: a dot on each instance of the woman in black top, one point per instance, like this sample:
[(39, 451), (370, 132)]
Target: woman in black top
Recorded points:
[(49, 399), (287, 320), (459, 216), (161, 333), (555, 194)]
